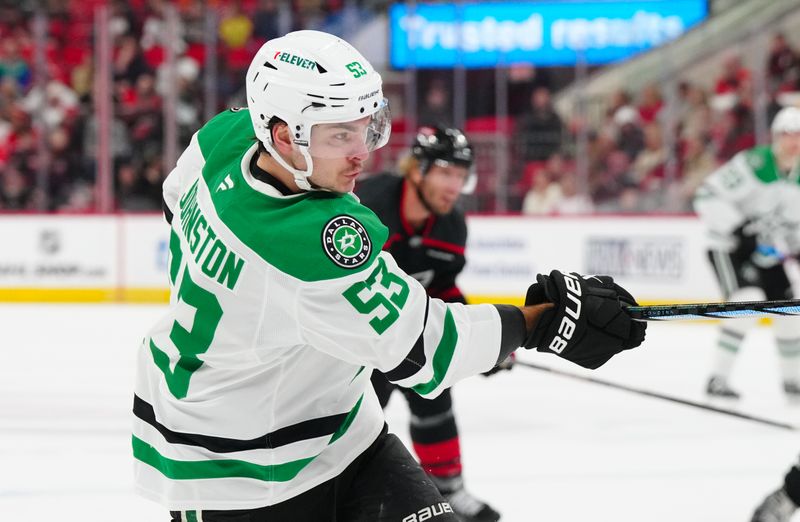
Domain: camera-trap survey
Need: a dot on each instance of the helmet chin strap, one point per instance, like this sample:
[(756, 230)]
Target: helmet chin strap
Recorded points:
[(300, 176), (422, 198)]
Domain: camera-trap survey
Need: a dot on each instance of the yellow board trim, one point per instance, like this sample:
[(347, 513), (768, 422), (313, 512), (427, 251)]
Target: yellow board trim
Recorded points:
[(84, 295), (161, 295)]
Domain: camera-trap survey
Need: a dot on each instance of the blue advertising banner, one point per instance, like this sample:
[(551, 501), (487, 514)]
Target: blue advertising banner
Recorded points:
[(543, 33)]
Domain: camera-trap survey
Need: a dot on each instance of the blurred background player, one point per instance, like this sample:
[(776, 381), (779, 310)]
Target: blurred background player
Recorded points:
[(427, 237), (750, 206), (780, 505)]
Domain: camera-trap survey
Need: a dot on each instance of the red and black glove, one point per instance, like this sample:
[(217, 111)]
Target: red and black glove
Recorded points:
[(587, 324)]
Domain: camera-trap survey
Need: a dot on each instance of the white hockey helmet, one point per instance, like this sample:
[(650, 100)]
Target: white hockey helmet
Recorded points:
[(787, 120), (309, 78)]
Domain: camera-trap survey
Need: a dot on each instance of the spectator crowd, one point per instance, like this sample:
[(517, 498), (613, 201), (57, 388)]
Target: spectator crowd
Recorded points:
[(640, 158), (643, 155), (48, 128)]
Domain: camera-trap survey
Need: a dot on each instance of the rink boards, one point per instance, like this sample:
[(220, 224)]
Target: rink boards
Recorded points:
[(51, 258)]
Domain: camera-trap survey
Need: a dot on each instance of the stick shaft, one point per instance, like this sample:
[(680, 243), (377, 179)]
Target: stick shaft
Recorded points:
[(731, 310), (655, 395)]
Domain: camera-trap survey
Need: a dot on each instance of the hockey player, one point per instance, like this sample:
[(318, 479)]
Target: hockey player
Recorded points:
[(780, 505), (750, 206), (427, 237), (252, 397)]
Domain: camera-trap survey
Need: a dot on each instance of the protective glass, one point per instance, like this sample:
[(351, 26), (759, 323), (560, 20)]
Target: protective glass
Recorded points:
[(351, 138)]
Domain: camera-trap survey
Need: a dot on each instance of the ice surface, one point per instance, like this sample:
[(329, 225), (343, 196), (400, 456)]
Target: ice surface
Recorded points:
[(536, 445)]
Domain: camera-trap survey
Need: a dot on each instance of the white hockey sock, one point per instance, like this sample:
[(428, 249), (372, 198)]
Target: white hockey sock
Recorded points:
[(728, 345), (788, 342), (789, 350)]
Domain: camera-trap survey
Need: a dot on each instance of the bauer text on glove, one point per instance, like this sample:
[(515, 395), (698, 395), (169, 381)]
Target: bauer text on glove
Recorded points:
[(587, 324)]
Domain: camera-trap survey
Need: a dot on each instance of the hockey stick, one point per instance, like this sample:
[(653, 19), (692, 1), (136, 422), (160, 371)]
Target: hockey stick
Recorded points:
[(730, 310), (646, 393)]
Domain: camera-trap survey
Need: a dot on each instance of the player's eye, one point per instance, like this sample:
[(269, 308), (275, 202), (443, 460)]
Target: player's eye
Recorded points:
[(456, 174)]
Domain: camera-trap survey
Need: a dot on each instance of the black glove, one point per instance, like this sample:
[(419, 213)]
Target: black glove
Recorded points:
[(587, 324)]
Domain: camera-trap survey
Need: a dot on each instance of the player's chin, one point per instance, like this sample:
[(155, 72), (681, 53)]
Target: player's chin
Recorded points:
[(349, 181), (347, 184), (445, 207)]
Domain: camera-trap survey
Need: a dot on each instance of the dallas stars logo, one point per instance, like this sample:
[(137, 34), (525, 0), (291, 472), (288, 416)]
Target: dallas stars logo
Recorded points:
[(346, 242)]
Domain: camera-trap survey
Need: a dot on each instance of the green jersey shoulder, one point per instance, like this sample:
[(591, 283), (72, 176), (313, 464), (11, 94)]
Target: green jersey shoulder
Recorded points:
[(762, 163), (224, 138), (312, 236)]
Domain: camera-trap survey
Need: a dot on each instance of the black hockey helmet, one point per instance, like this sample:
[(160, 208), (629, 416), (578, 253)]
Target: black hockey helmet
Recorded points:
[(444, 146)]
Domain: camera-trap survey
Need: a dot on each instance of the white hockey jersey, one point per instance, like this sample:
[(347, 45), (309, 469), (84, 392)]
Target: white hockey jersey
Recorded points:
[(750, 190), (254, 387)]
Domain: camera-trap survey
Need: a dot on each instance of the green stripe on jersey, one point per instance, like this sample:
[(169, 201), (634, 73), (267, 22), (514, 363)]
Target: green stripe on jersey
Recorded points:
[(442, 356), (357, 374), (231, 468), (284, 231), (347, 421), (211, 469), (191, 516)]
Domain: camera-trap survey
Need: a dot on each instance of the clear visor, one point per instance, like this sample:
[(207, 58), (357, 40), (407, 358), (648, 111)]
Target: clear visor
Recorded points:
[(351, 138), (468, 182)]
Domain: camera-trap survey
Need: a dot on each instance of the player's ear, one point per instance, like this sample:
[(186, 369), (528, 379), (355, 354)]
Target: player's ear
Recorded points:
[(282, 138), (414, 174)]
